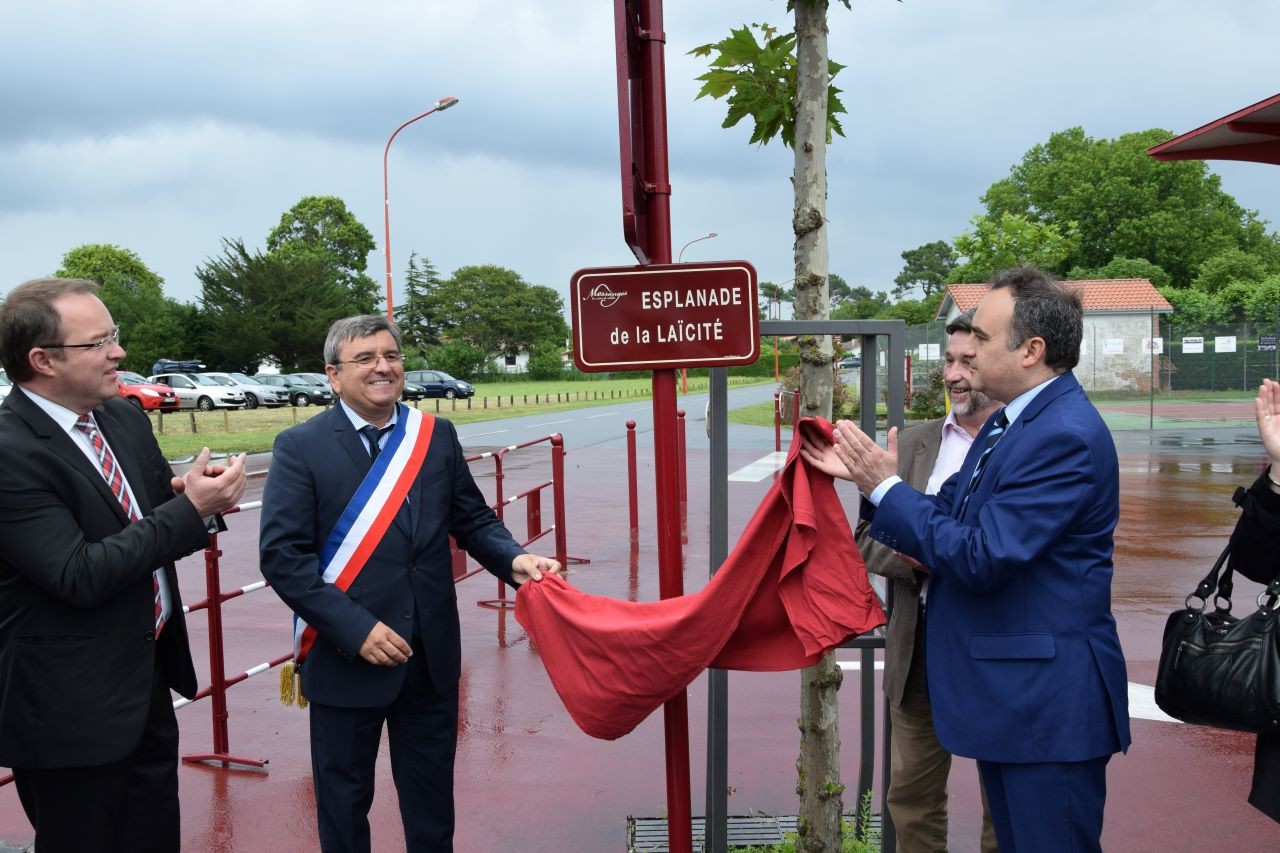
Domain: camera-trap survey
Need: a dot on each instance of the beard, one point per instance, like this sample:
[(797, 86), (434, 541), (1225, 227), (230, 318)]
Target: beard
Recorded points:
[(977, 402)]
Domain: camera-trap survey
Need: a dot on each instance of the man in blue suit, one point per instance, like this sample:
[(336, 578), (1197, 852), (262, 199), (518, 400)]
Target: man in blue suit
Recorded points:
[(383, 633), (1025, 671)]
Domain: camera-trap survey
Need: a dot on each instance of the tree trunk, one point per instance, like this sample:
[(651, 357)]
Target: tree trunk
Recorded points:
[(818, 767)]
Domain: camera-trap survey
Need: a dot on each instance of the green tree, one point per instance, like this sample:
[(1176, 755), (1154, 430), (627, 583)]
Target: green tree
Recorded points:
[(1191, 306), (772, 297), (1128, 204), (270, 306), (460, 359), (419, 315), (546, 362), (861, 309), (151, 324), (758, 79), (320, 228), (1263, 302), (927, 267), (1228, 267), (496, 310), (913, 311), (784, 85), (1124, 268), (1008, 239), (839, 291)]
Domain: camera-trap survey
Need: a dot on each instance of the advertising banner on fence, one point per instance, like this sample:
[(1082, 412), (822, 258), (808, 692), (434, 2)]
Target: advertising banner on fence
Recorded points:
[(665, 316)]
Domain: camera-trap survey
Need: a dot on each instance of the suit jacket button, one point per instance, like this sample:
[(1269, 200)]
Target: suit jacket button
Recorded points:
[(408, 614), (149, 635)]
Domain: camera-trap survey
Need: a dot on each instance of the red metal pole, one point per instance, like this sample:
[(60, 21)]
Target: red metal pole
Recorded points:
[(217, 661), (557, 498), (498, 505), (681, 456), (777, 420), (665, 452), (633, 487), (908, 378)]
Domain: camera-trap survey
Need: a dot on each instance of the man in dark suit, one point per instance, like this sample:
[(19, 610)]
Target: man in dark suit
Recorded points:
[(386, 644), (1024, 664), (92, 636), (928, 454)]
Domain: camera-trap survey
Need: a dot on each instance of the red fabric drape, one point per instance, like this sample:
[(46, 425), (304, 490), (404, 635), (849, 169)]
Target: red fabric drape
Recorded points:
[(793, 589)]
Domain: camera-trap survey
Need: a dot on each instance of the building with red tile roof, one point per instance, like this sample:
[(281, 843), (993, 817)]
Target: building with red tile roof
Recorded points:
[(1108, 295), (1121, 346)]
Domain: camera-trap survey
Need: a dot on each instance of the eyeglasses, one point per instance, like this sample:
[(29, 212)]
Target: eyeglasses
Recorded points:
[(366, 361), (110, 340)]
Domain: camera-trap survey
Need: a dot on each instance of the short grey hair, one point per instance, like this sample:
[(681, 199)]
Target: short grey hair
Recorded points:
[(962, 322), (351, 328)]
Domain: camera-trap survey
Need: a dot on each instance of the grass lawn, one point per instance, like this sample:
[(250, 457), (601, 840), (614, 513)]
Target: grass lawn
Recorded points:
[(183, 434)]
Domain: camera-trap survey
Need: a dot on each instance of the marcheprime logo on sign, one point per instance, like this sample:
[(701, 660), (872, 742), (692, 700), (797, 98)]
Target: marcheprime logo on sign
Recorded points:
[(606, 297)]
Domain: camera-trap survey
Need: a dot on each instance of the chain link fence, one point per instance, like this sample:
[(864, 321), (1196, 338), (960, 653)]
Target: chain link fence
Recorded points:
[(1119, 356)]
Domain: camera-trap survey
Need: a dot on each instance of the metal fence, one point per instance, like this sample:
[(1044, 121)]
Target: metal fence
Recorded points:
[(1182, 357)]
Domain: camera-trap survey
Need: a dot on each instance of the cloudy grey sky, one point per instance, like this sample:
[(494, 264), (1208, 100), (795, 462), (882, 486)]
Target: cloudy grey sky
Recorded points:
[(164, 127)]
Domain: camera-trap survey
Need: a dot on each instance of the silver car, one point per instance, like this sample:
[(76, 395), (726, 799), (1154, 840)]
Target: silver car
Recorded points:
[(255, 393), (200, 392)]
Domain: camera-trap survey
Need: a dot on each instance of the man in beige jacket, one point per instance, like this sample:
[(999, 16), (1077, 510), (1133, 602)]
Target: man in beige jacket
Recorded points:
[(928, 454)]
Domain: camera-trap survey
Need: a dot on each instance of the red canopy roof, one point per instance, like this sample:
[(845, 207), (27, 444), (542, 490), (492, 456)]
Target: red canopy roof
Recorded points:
[(1251, 134)]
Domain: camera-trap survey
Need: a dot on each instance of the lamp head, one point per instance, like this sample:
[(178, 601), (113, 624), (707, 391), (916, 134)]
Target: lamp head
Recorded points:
[(446, 102)]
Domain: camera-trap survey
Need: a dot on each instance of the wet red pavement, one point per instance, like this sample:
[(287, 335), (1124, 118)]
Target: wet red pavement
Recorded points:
[(528, 780)]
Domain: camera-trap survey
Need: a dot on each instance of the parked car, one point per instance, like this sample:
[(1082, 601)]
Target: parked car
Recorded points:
[(413, 391), (147, 396), (168, 365), (200, 392), (851, 362), (440, 384), (320, 382), (255, 393), (5, 385), (301, 392)]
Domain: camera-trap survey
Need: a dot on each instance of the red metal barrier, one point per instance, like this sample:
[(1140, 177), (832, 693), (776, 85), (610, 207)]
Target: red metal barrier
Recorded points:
[(216, 692), (535, 529)]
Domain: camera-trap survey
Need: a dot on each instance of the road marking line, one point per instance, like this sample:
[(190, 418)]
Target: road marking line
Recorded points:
[(605, 415), (550, 423), (480, 434), (856, 665), (1142, 699), (1142, 704), (761, 468)]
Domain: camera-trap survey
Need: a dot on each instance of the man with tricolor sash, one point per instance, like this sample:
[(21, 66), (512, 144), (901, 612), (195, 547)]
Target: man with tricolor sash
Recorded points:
[(357, 512)]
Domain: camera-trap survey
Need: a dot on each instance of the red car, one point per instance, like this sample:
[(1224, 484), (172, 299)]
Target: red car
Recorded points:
[(143, 394)]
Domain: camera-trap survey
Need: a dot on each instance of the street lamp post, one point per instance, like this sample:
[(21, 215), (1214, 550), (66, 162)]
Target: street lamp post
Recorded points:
[(442, 104), (777, 311), (707, 236), (684, 371)]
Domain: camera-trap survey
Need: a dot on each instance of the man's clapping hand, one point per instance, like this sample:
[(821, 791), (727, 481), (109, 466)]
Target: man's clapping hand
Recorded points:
[(212, 488)]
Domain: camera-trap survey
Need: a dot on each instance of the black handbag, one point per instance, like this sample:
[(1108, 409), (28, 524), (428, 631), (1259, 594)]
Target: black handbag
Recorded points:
[(1217, 669)]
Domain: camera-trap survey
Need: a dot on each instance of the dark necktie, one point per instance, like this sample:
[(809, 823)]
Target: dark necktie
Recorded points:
[(115, 479), (373, 435), (993, 438)]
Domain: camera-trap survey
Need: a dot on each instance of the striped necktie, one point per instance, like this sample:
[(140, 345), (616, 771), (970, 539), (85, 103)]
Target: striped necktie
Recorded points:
[(373, 435), (993, 438), (115, 480)]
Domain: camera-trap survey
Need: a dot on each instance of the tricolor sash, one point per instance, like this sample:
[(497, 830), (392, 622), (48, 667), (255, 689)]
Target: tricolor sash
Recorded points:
[(371, 510)]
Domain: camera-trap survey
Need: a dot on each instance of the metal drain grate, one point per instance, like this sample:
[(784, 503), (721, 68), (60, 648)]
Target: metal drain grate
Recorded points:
[(649, 834)]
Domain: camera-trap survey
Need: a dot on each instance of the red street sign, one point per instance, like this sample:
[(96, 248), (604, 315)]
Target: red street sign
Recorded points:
[(665, 316)]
